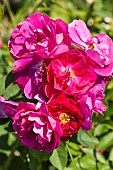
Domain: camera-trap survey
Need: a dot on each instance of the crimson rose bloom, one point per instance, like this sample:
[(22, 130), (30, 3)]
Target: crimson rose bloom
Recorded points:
[(71, 73), (36, 128), (68, 114)]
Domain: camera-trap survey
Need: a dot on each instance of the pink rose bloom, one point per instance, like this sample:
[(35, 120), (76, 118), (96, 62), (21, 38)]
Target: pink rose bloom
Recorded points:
[(39, 35), (36, 128), (69, 115), (71, 73), (92, 102), (7, 108), (99, 47)]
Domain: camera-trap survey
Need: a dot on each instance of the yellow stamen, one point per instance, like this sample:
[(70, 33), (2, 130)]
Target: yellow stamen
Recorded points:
[(64, 117), (72, 74), (91, 46)]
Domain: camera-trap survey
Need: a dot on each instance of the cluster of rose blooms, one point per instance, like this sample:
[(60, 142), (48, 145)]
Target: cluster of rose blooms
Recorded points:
[(63, 69)]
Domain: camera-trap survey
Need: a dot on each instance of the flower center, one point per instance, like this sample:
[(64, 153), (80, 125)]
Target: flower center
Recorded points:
[(72, 74), (43, 68), (39, 36), (91, 46), (64, 117)]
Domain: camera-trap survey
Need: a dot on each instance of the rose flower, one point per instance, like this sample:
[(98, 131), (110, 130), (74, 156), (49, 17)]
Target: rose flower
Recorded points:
[(39, 35), (36, 128), (67, 112), (99, 48), (71, 73)]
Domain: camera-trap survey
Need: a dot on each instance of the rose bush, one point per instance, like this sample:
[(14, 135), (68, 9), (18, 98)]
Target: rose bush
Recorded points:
[(62, 71)]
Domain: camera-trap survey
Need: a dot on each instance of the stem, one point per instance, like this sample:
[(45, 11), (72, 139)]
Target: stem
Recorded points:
[(74, 166), (96, 159), (9, 11)]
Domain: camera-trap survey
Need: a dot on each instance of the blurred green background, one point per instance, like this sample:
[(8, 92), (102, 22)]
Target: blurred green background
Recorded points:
[(87, 151)]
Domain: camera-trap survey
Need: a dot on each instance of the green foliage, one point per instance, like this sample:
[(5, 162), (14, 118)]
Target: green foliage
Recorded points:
[(41, 156), (9, 79), (86, 139), (1, 12), (106, 141), (59, 157), (91, 150)]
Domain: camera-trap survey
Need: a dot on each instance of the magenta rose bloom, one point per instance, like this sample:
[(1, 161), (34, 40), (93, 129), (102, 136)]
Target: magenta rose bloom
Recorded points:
[(28, 75), (39, 35), (7, 108), (99, 48), (71, 73), (36, 128), (67, 112), (92, 102)]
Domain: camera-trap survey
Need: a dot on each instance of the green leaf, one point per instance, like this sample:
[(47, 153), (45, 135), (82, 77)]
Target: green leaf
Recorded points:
[(108, 124), (100, 129), (4, 142), (59, 157), (9, 79), (1, 12), (104, 166), (111, 155), (109, 95), (77, 164), (74, 146), (10, 127), (75, 152), (109, 110), (88, 151), (85, 139), (41, 156), (106, 141), (11, 92), (110, 85), (100, 157), (87, 162), (11, 139)]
